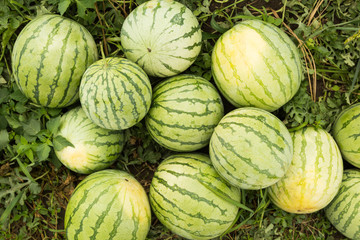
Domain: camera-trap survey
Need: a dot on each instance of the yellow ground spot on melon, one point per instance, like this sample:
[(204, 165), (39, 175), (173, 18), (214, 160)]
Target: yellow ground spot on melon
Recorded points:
[(75, 157)]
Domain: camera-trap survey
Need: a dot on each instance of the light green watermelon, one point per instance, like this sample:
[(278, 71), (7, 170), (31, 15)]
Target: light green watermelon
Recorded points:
[(251, 148), (346, 131), (314, 176), (184, 112), (256, 64), (115, 93), (49, 57), (181, 198), (95, 148), (162, 36), (109, 204), (344, 210)]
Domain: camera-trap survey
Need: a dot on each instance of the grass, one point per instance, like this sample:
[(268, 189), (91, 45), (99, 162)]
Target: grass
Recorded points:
[(35, 187)]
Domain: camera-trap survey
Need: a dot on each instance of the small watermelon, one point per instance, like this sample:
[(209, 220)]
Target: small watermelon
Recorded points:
[(109, 204), (314, 176), (162, 36), (344, 210), (49, 57), (256, 64), (346, 131), (251, 148), (182, 199), (95, 148), (184, 112), (115, 93)]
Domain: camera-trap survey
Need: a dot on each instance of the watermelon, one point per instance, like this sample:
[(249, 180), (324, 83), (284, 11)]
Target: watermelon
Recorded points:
[(256, 64), (184, 112), (162, 36), (251, 148), (346, 130), (115, 93), (183, 199), (108, 204), (314, 176), (95, 148), (49, 57), (344, 210)]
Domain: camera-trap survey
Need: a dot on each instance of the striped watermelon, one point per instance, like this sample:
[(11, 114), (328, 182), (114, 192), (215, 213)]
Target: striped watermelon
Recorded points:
[(115, 93), (314, 176), (256, 64), (344, 210), (346, 130), (251, 148), (49, 57), (109, 204), (184, 112), (181, 198), (95, 148), (162, 36)]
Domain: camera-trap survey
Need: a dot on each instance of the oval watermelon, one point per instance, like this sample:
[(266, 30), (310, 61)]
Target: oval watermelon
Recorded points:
[(346, 131), (184, 112), (115, 93), (49, 57), (251, 148), (314, 176), (344, 210), (162, 36), (109, 204), (181, 198), (95, 148), (256, 64)]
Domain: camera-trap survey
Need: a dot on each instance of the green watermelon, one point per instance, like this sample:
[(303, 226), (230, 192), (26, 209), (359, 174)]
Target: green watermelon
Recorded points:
[(49, 57), (314, 176), (251, 148), (184, 112), (162, 36), (344, 210), (182, 199), (95, 148), (115, 93), (256, 64), (346, 130), (109, 204)]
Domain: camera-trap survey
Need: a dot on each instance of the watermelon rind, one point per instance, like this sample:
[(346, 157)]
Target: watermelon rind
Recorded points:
[(94, 148), (251, 148), (256, 64), (49, 57), (108, 204), (314, 176), (183, 199), (161, 36)]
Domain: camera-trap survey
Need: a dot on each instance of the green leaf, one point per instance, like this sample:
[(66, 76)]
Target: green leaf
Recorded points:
[(216, 25), (63, 6), (13, 122), (60, 142), (53, 124), (42, 151), (4, 138), (32, 127), (4, 94), (82, 5), (9, 208)]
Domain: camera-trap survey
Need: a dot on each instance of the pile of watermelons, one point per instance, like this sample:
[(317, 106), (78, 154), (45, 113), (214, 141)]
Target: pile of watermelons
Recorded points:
[(255, 66)]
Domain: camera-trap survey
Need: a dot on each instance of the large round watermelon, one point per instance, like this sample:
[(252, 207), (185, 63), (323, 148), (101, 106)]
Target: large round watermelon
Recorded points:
[(344, 210), (184, 112), (251, 148), (95, 148), (162, 36), (109, 204), (346, 132), (314, 176), (115, 93), (182, 199), (49, 57), (256, 64)]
